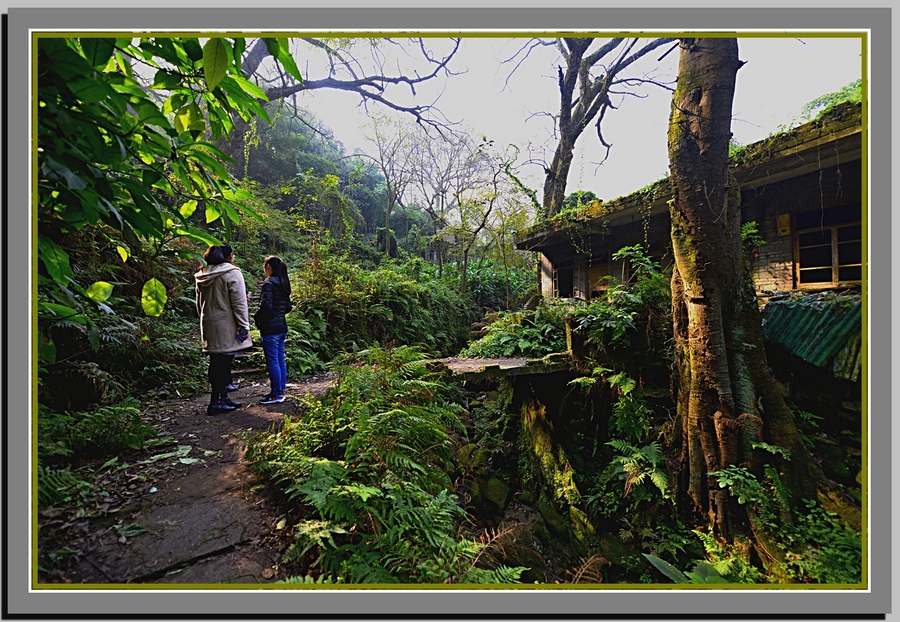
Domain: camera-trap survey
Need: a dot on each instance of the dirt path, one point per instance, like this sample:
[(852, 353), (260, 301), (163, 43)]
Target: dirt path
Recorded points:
[(185, 511)]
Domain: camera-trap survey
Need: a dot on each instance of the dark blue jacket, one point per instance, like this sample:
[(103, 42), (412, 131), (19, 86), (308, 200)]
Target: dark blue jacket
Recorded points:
[(273, 305)]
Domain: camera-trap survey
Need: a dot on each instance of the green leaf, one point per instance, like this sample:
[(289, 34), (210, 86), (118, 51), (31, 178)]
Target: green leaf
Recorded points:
[(249, 88), (166, 81), (208, 162), (233, 216), (124, 65), (61, 311), (190, 119), (100, 290), (215, 62), (153, 298), (93, 334), (150, 114), (213, 211), (55, 259), (192, 49), (90, 90), (188, 208), (279, 49), (73, 181), (667, 569), (97, 50), (240, 45), (46, 349), (198, 234)]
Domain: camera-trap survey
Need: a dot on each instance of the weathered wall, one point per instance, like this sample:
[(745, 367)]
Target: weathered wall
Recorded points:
[(773, 269), (546, 276)]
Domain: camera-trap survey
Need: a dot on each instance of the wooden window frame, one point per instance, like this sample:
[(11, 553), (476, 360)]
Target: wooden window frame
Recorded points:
[(835, 259)]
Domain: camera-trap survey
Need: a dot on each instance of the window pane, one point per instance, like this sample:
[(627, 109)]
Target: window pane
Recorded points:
[(815, 257), (850, 252), (850, 273), (814, 238), (853, 232), (808, 220), (819, 275), (845, 213), (829, 216)]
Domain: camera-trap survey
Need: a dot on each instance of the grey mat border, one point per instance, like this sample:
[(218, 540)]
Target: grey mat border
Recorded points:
[(443, 603)]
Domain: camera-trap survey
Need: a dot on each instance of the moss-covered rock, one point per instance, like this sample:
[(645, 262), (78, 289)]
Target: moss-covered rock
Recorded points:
[(465, 455), (612, 548), (557, 523), (582, 529), (496, 492)]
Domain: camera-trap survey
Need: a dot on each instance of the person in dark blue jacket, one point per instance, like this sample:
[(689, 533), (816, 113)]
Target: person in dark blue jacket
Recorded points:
[(274, 303)]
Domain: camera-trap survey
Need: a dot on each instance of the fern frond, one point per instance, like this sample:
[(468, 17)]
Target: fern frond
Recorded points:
[(660, 480), (653, 453), (590, 570), (308, 580)]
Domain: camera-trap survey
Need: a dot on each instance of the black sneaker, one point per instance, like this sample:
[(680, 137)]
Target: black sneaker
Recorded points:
[(272, 399), (218, 409)]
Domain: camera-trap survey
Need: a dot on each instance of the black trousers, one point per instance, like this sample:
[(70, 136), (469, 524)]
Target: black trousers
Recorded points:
[(219, 374)]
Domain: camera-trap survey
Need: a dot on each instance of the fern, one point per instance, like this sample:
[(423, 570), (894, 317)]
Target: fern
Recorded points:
[(307, 580), (310, 533), (56, 485), (638, 464), (494, 576)]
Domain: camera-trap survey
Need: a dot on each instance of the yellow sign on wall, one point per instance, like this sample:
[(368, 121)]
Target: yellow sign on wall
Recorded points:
[(784, 224)]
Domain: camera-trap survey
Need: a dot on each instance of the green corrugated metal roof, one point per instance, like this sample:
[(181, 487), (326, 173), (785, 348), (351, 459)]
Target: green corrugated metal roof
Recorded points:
[(822, 329)]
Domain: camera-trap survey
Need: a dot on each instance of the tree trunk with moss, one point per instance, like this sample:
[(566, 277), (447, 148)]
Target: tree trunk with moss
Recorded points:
[(725, 395)]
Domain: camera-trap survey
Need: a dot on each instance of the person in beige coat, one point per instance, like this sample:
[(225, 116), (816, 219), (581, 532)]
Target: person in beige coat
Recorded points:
[(224, 321)]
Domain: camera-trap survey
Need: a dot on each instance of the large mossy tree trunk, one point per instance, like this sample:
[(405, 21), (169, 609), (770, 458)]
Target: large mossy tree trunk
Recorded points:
[(725, 395)]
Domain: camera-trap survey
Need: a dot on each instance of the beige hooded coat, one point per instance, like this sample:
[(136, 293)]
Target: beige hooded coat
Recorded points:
[(222, 306)]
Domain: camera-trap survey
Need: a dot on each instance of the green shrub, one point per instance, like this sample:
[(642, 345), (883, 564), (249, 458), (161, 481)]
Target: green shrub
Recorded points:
[(368, 465), (99, 431), (522, 333), (348, 308)]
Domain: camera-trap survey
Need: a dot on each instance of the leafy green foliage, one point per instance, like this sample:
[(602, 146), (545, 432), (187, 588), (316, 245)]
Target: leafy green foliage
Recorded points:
[(816, 546), (494, 288), (741, 483), (106, 429), (59, 485), (703, 571), (729, 564), (349, 307), (640, 465), (577, 199), (851, 92), (610, 321), (522, 333), (823, 550), (750, 235), (368, 464), (129, 152)]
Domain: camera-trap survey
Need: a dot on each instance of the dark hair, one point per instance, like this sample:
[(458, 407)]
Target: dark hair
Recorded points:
[(279, 269), (218, 254)]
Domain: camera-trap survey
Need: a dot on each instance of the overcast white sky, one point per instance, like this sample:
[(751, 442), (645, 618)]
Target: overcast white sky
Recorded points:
[(781, 75)]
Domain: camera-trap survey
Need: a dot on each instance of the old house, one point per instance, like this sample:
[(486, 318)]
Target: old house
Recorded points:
[(803, 188), (805, 191)]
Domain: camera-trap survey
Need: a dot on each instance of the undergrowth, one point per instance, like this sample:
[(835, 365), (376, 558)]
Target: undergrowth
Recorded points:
[(367, 468)]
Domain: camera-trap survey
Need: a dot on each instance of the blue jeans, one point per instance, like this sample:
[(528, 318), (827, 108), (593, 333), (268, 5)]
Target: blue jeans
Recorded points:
[(273, 347)]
